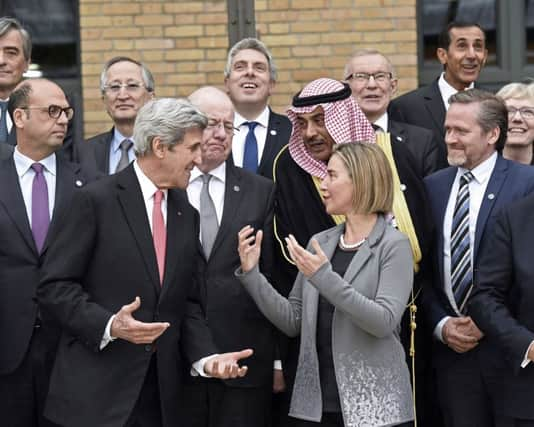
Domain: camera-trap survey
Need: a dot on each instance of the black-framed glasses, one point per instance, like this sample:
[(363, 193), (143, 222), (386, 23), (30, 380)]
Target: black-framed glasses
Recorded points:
[(380, 77), (228, 126), (131, 87), (54, 111), (526, 112)]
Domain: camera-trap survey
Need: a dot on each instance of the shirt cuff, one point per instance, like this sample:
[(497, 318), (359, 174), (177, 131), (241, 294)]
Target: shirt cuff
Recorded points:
[(526, 360), (107, 338), (438, 330), (277, 365), (198, 367)]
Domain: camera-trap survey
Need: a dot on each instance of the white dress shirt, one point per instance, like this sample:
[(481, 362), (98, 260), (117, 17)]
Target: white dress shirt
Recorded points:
[(260, 131), (477, 189), (382, 122), (26, 174), (447, 90), (115, 150)]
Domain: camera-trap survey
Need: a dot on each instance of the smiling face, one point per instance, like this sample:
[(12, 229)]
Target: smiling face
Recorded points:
[(372, 96), (520, 128), (249, 83), (337, 188), (317, 140), (465, 56), (123, 106), (468, 144), (12, 62)]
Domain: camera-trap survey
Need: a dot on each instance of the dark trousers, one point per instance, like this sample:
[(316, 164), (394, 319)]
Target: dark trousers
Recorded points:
[(512, 422), (147, 409), (463, 392), (211, 403), (23, 392)]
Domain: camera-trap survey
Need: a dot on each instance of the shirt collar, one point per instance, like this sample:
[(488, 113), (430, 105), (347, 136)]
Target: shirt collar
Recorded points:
[(482, 172), (147, 186), (117, 139), (219, 172), (262, 119), (382, 121), (447, 90), (23, 163)]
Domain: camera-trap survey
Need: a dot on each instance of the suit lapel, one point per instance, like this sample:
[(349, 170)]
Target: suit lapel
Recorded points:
[(271, 142), (102, 152), (134, 209), (232, 199), (11, 198), (491, 195), (434, 104)]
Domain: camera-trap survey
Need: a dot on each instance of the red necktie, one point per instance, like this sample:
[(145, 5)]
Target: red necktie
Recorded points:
[(159, 233)]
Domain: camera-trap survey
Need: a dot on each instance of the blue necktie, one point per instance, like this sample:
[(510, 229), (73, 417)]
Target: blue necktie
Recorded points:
[(250, 157), (3, 121), (461, 271)]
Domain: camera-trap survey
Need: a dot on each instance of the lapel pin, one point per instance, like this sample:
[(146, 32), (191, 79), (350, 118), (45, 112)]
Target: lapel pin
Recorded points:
[(399, 139), (273, 132), (179, 213), (236, 188), (78, 183), (403, 187), (491, 196)]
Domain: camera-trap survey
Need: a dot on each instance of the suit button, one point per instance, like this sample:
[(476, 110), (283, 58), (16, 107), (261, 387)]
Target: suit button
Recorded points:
[(148, 348)]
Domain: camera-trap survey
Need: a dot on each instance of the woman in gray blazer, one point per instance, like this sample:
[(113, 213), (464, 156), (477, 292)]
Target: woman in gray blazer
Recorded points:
[(347, 301)]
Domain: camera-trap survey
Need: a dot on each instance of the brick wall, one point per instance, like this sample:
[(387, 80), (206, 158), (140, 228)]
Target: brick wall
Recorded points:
[(184, 43)]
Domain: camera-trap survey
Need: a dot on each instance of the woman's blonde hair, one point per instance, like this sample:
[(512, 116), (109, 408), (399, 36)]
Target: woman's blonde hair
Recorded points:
[(372, 179)]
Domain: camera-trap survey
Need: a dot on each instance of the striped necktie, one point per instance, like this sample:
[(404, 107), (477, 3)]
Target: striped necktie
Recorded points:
[(461, 269)]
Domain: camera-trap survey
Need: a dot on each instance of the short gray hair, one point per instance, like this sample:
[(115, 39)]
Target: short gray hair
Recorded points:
[(492, 112), (167, 118), (366, 52), (254, 44), (148, 78), (517, 91), (7, 24)]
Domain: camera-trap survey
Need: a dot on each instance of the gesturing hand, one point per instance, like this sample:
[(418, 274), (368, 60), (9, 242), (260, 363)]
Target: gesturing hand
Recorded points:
[(124, 326), (249, 247), (306, 262), (224, 366)]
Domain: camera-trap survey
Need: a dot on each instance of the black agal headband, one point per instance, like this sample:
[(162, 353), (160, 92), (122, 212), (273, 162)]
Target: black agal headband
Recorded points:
[(322, 98)]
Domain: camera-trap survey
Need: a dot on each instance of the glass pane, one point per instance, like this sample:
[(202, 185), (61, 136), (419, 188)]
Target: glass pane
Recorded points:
[(437, 13), (529, 33)]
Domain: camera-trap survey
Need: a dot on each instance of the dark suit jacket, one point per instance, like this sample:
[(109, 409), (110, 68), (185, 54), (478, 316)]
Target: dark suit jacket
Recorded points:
[(429, 155), (248, 199), (93, 154), (103, 258), (421, 107), (20, 262), (278, 133), (509, 181), (502, 305)]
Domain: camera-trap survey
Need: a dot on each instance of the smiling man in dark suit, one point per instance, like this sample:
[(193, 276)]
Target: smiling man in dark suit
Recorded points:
[(130, 248), (238, 197), (464, 200), (462, 52), (126, 85), (36, 191), (250, 77)]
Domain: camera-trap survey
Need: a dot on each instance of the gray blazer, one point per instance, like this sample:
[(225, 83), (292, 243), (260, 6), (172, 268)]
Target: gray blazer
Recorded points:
[(369, 361)]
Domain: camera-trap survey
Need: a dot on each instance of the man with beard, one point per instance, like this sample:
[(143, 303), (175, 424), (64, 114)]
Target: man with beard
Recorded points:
[(323, 114), (462, 52), (464, 201)]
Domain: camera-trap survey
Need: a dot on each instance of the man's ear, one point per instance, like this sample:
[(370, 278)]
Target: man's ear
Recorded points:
[(158, 148), (18, 117), (442, 55), (493, 135)]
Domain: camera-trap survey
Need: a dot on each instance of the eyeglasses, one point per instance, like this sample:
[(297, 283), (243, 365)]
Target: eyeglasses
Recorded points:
[(54, 111), (228, 127), (380, 77), (114, 88), (525, 112)]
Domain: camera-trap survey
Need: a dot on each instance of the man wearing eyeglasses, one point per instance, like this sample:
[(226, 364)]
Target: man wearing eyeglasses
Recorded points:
[(36, 190), (371, 77), (126, 86), (228, 198)]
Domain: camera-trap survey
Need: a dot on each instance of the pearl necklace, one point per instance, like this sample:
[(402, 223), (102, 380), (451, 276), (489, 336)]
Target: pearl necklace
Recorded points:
[(352, 246)]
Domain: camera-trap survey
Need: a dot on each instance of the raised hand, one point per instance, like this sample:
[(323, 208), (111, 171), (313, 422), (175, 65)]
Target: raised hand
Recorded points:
[(124, 326), (249, 247), (306, 262)]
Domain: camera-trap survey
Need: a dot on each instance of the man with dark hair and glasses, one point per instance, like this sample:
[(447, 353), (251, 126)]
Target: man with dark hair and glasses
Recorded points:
[(126, 85), (36, 190), (462, 53)]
